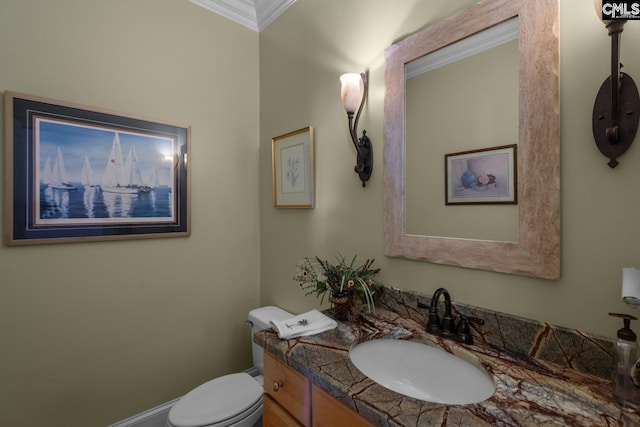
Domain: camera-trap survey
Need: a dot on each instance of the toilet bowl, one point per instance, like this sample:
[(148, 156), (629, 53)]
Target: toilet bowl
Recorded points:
[(233, 400)]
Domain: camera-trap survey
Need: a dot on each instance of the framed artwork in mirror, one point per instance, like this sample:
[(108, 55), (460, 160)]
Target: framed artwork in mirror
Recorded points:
[(75, 174), (487, 176), (293, 169)]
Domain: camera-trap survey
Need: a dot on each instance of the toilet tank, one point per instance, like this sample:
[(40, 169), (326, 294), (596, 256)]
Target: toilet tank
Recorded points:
[(259, 319)]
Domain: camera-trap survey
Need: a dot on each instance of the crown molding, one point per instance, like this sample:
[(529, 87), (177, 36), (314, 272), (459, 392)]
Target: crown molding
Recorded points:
[(491, 37), (253, 14)]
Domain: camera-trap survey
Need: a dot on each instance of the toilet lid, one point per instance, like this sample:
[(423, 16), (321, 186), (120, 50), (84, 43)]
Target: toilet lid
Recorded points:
[(216, 400)]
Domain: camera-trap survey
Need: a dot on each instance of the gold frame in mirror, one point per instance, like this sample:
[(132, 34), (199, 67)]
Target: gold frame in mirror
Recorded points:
[(537, 251)]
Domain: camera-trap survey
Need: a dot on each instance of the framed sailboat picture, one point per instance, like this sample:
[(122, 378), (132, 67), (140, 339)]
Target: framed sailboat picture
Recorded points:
[(77, 173)]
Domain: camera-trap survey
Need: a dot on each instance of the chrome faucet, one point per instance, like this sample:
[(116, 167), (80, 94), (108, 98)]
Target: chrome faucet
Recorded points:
[(447, 328)]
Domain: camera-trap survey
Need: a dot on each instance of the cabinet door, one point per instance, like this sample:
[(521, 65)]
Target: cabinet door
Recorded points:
[(289, 388), (273, 415), (328, 412)]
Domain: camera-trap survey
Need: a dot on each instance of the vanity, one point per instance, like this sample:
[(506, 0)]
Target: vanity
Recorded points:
[(292, 400), (558, 378)]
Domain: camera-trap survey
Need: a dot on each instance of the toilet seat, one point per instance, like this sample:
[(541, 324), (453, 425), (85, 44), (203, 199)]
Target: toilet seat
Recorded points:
[(220, 402)]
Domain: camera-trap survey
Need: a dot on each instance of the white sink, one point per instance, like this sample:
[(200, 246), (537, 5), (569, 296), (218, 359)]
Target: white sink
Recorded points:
[(422, 371)]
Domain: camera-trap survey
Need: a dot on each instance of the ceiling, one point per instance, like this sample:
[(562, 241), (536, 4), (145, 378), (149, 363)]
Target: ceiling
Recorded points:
[(253, 14)]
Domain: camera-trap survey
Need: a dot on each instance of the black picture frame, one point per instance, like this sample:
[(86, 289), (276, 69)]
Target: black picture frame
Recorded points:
[(51, 198)]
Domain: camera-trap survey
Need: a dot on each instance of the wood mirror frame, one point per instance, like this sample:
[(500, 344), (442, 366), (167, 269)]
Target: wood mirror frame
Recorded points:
[(537, 251)]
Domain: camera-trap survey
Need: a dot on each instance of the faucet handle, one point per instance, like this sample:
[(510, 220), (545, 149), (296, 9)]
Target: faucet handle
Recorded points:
[(448, 325), (464, 331), (476, 320), (433, 324)]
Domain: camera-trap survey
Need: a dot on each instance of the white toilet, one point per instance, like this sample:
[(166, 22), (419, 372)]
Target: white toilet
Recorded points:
[(233, 400)]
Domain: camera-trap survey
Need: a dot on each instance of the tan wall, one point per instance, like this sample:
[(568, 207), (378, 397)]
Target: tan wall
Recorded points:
[(301, 58), (481, 112), (93, 333)]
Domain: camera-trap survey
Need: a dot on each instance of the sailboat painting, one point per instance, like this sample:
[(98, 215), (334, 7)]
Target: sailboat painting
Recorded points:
[(81, 174), (138, 187)]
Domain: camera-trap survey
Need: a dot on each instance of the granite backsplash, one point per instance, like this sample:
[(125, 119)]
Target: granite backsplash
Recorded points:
[(562, 346)]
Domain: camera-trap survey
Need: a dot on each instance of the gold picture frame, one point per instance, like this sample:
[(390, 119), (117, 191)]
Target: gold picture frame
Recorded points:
[(293, 169)]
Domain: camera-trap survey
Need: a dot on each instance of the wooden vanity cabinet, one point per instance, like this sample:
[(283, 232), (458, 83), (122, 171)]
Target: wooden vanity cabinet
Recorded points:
[(274, 415), (328, 412), (291, 400), (288, 389)]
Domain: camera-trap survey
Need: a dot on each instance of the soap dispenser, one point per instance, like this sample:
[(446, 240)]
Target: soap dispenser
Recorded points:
[(625, 393)]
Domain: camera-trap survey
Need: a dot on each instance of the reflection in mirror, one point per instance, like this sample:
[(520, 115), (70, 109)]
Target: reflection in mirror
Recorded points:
[(441, 94), (521, 108)]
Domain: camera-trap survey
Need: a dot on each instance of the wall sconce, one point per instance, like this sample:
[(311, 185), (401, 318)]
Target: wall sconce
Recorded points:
[(354, 93), (617, 106)]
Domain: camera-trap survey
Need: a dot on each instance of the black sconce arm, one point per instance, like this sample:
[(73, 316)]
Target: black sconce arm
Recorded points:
[(364, 162), (615, 31), (617, 107)]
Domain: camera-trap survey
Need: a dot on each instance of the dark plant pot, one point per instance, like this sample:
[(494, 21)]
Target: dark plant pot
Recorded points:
[(342, 305)]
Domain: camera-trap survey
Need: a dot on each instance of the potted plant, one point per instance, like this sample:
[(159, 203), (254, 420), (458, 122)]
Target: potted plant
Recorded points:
[(346, 283)]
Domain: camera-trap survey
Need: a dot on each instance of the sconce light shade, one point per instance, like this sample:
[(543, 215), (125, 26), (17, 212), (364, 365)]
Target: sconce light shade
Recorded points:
[(352, 91), (597, 4), (354, 88), (617, 107)]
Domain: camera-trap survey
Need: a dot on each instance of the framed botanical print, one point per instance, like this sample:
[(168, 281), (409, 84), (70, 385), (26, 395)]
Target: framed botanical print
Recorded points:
[(293, 169)]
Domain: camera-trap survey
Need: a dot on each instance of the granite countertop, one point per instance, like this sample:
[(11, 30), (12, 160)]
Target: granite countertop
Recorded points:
[(529, 391)]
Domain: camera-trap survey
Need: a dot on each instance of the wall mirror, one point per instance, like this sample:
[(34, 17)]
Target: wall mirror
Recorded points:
[(502, 59)]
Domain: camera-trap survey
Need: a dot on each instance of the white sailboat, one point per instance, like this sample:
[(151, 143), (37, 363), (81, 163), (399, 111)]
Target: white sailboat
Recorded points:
[(132, 173), (59, 179), (153, 180), (114, 179), (88, 174), (46, 172)]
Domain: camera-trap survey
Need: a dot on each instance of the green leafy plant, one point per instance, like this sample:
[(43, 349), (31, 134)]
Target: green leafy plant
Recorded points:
[(316, 276)]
